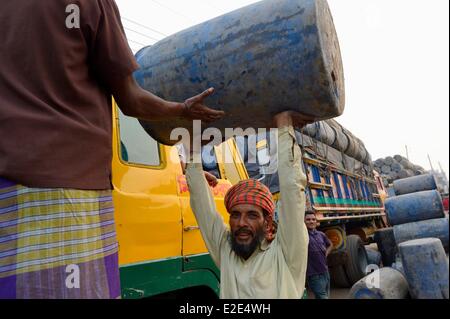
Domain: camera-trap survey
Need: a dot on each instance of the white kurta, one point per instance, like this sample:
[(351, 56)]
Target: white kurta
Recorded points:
[(275, 270)]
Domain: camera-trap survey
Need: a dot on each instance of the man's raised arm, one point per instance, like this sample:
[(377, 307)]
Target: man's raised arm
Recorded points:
[(292, 233), (212, 226)]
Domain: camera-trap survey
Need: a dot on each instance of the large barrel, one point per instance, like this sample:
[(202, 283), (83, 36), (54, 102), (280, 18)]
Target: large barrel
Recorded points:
[(341, 140), (383, 283), (353, 144), (426, 268), (373, 256), (397, 265), (397, 167), (269, 57), (437, 228), (389, 160), (386, 245), (390, 191), (415, 184), (325, 134), (414, 207), (310, 129)]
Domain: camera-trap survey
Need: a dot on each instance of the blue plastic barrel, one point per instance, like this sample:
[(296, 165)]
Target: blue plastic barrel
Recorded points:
[(415, 184), (268, 57), (373, 256), (414, 207), (383, 283), (397, 265), (426, 268), (390, 191), (386, 245), (437, 228)]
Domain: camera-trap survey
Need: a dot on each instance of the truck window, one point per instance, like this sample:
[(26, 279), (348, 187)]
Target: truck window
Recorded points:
[(209, 160), (136, 146)]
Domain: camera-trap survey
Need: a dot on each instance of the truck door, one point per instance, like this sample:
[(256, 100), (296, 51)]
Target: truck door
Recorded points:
[(224, 162), (147, 208)]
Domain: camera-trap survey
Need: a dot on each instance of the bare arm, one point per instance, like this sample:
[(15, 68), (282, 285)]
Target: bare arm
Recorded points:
[(137, 102), (330, 247), (211, 223)]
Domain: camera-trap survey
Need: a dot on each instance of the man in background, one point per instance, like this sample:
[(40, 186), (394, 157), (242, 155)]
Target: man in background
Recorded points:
[(317, 275)]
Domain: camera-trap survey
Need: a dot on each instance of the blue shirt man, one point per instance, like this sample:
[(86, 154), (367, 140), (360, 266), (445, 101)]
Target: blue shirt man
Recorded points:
[(317, 275)]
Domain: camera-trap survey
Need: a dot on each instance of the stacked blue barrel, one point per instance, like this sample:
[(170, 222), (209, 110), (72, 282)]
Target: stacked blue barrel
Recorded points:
[(421, 233), (414, 249)]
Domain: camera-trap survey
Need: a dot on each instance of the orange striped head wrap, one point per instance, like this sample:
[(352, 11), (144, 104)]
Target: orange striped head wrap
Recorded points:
[(251, 192)]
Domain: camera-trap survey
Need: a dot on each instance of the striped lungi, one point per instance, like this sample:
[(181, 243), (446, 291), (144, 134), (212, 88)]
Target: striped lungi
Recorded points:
[(57, 243)]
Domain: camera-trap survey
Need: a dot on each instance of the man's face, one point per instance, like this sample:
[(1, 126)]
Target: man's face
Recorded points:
[(310, 221), (247, 226)]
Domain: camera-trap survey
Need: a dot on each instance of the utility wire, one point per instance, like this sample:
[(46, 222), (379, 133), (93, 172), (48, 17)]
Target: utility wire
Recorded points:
[(170, 9), (139, 43), (143, 34), (144, 26)]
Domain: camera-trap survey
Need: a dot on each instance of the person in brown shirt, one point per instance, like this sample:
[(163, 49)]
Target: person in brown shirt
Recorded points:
[(56, 83)]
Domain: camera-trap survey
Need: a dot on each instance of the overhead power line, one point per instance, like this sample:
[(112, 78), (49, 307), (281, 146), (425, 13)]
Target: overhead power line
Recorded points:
[(139, 43), (144, 26), (140, 33)]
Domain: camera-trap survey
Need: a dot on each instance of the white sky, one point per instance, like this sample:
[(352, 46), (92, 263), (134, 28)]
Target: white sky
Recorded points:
[(396, 65)]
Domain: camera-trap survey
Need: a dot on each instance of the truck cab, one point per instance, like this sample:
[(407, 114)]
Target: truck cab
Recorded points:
[(161, 250)]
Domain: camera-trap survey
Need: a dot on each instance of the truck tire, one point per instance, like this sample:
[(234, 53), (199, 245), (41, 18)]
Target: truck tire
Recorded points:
[(339, 277), (356, 264)]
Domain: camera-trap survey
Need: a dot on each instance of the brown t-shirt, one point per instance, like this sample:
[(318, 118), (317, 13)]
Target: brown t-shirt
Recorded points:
[(55, 102)]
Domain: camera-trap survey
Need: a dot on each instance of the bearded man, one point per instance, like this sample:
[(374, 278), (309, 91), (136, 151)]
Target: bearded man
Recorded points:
[(251, 266)]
